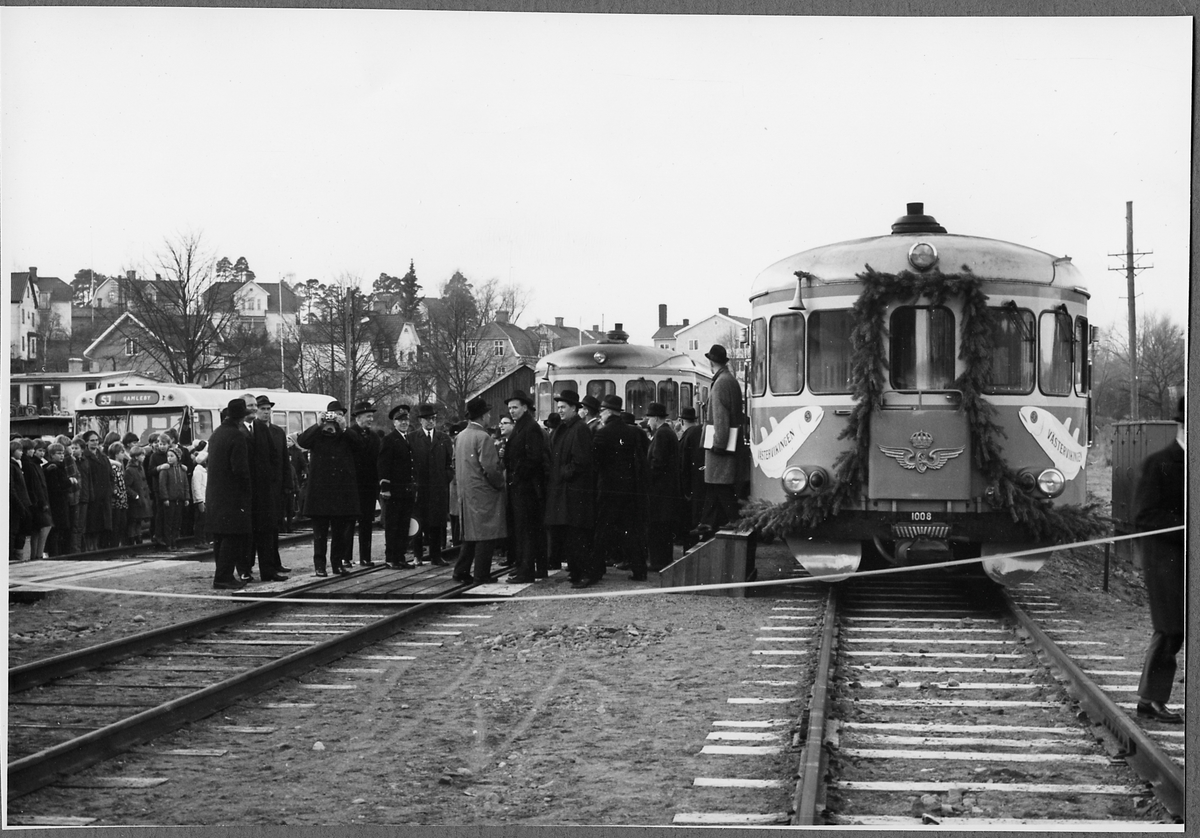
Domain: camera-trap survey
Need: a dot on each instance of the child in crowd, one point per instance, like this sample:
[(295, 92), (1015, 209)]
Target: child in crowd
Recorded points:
[(199, 495), (140, 508), (173, 494)]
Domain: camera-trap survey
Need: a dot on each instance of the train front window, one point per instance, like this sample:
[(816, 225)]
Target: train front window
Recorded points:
[(922, 348), (829, 351), (758, 357), (599, 388), (1013, 349), (786, 355), (638, 395), (1083, 337), (668, 395), (1055, 350)]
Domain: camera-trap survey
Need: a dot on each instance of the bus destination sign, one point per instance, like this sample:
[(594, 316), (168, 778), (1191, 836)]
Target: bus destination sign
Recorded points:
[(115, 399)]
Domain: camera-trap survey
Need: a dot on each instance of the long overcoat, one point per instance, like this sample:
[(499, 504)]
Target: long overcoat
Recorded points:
[(366, 467), (266, 466), (481, 492), (100, 509), (332, 481), (39, 494), (139, 494), (395, 466), (570, 493), (1158, 502), (662, 483), (526, 460), (433, 463), (58, 488), (725, 414), (228, 500), (281, 471)]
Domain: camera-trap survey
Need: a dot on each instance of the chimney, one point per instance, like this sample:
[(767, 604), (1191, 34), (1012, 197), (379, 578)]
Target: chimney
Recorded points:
[(502, 316), (724, 311), (685, 321), (33, 274), (558, 322), (74, 365), (662, 314), (131, 275), (595, 327)]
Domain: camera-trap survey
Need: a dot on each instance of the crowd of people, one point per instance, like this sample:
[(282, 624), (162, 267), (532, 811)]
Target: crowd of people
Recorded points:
[(587, 488)]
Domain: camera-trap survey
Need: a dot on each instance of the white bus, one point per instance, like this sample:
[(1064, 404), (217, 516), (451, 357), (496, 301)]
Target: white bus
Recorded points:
[(149, 408)]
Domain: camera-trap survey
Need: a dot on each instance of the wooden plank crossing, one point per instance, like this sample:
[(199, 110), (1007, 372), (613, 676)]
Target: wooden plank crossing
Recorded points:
[(382, 582)]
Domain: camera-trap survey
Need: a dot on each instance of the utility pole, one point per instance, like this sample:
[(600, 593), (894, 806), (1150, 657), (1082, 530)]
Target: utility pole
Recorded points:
[(1130, 272)]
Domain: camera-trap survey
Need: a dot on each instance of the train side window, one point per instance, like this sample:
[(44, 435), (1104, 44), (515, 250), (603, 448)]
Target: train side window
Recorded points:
[(1055, 352), (565, 384), (638, 395), (599, 388), (1013, 349), (786, 354), (1083, 368), (829, 351), (758, 357), (922, 348), (668, 396), (685, 396)]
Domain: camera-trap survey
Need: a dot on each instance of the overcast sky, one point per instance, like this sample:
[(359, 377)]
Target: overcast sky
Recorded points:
[(607, 163)]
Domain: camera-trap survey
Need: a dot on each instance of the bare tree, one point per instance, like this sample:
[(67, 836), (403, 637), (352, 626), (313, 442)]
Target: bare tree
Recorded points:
[(1160, 356), (513, 298)]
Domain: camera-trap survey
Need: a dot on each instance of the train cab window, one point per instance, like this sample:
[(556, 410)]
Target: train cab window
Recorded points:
[(1013, 349), (599, 388), (1083, 370), (786, 354), (668, 395), (829, 351), (758, 357), (922, 348), (638, 395), (1055, 351)]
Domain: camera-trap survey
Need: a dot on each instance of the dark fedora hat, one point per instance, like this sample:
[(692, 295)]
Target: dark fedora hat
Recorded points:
[(335, 407), (400, 410), (237, 409), (591, 403), (520, 396), (426, 411), (568, 396), (476, 407), (688, 414), (611, 402), (657, 409), (717, 354), (264, 401), (363, 407)]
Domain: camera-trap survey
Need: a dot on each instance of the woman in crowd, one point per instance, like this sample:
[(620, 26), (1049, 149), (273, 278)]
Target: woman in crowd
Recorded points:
[(39, 499), (58, 487), (83, 468), (120, 497), (140, 509)]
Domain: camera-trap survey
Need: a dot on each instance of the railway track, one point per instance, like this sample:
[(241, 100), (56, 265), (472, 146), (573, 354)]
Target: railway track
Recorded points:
[(74, 710), (948, 704)]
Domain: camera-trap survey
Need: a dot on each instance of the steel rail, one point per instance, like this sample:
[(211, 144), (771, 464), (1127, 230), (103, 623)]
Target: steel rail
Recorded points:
[(38, 770), (1150, 761), (812, 764)]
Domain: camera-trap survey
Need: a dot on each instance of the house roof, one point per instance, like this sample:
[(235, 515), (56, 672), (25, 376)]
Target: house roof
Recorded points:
[(665, 332), (523, 342), (733, 318), (20, 281), (54, 289), (114, 327)]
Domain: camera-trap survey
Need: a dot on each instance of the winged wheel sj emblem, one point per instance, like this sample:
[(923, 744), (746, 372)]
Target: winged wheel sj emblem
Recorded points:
[(921, 456)]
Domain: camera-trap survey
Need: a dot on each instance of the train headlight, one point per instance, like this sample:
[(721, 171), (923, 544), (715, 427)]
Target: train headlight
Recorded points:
[(922, 256), (794, 480), (818, 479), (1051, 482)]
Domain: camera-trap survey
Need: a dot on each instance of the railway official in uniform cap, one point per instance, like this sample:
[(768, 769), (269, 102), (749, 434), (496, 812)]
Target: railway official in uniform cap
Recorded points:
[(481, 495), (397, 488), (366, 468), (433, 462), (1159, 504)]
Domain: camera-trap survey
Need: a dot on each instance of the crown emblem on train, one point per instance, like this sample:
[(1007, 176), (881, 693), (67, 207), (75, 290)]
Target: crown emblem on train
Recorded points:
[(922, 456)]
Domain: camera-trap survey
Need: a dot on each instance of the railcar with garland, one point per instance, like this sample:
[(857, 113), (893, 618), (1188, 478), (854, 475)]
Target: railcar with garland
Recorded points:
[(638, 374), (920, 397)]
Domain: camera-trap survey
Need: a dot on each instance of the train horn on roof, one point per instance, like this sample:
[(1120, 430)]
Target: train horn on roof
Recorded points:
[(916, 221)]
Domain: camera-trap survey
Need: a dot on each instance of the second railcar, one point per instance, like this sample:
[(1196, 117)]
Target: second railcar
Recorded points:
[(919, 396)]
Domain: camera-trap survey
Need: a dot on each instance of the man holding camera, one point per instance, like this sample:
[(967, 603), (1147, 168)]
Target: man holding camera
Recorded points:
[(332, 498)]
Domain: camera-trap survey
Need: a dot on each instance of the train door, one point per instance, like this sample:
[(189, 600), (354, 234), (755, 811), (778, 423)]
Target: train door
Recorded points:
[(638, 395)]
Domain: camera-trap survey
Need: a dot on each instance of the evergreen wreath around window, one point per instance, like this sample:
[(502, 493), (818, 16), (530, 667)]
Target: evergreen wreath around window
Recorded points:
[(1045, 522)]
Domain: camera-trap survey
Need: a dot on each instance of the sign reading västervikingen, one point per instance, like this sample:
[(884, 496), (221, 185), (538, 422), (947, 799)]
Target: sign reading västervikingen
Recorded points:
[(784, 439), (1059, 442)]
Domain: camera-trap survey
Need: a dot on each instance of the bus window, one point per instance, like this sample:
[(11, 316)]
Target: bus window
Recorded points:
[(1012, 351), (545, 406), (638, 395), (599, 388), (668, 395), (295, 422), (1083, 337), (685, 396), (310, 418), (1054, 353), (922, 348), (786, 354), (758, 357), (279, 418), (202, 423), (829, 351)]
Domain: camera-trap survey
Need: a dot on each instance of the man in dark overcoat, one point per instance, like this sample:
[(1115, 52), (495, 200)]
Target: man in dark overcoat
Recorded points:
[(397, 488), (271, 479), (1159, 504), (615, 449), (663, 496), (570, 492), (228, 505), (99, 523), (366, 466), (589, 412), (433, 461), (332, 498), (720, 464), (526, 460), (691, 464)]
